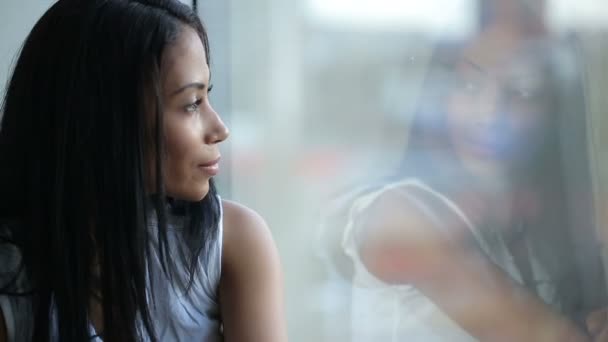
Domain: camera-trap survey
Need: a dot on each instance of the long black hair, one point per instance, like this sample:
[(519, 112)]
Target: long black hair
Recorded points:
[(82, 120)]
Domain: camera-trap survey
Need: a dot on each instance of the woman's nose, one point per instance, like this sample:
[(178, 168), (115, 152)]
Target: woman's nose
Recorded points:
[(217, 131)]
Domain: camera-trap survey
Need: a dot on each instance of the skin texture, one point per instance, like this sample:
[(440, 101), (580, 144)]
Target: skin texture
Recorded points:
[(251, 292), (251, 286), (192, 128)]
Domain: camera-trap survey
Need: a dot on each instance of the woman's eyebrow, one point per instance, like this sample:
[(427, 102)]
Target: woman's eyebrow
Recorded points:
[(197, 85)]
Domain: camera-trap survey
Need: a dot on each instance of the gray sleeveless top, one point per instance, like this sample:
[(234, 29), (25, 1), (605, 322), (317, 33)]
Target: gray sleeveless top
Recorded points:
[(176, 317)]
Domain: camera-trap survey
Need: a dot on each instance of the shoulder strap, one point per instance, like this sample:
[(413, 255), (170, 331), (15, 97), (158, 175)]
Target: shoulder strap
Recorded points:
[(447, 217)]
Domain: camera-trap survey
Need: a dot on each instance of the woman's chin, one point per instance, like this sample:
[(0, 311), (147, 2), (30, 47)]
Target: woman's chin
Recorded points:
[(193, 193)]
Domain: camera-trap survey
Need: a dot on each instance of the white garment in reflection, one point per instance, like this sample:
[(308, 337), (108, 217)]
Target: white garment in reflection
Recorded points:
[(386, 312)]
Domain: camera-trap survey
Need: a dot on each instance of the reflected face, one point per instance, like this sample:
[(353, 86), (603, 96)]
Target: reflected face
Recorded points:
[(497, 109), (192, 128)]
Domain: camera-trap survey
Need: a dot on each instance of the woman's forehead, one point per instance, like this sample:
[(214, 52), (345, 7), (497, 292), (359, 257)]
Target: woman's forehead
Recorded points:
[(510, 57), (497, 46), (184, 61)]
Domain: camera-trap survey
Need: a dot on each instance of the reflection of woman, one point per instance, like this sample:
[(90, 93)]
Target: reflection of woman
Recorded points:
[(110, 225), (470, 240)]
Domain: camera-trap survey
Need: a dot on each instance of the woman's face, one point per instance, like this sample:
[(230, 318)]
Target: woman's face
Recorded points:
[(192, 129), (497, 108)]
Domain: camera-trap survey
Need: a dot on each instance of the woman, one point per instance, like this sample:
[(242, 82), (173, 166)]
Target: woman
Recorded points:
[(111, 224), (470, 240)]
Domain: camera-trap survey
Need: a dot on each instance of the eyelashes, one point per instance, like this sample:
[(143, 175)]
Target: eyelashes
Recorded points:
[(194, 106)]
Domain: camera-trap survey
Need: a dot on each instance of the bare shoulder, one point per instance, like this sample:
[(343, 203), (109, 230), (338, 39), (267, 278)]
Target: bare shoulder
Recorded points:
[(251, 285), (416, 210), (393, 215), (237, 215), (399, 241), (393, 208), (245, 231), (249, 250)]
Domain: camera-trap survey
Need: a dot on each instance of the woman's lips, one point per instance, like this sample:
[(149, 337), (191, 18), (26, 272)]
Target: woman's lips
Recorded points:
[(211, 167)]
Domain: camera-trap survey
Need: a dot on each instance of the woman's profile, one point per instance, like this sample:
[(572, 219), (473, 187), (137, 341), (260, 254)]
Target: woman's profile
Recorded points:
[(110, 224)]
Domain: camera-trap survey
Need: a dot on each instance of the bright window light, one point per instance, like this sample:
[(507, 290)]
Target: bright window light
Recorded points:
[(452, 17), (577, 14)]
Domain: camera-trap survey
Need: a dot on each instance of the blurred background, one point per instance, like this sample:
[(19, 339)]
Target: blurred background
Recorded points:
[(320, 94)]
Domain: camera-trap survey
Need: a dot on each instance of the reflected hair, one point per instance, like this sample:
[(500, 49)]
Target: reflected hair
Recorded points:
[(431, 157), (81, 128)]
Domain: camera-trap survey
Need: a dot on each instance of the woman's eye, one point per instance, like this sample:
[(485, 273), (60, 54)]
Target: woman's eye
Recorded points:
[(209, 88), (193, 107)]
